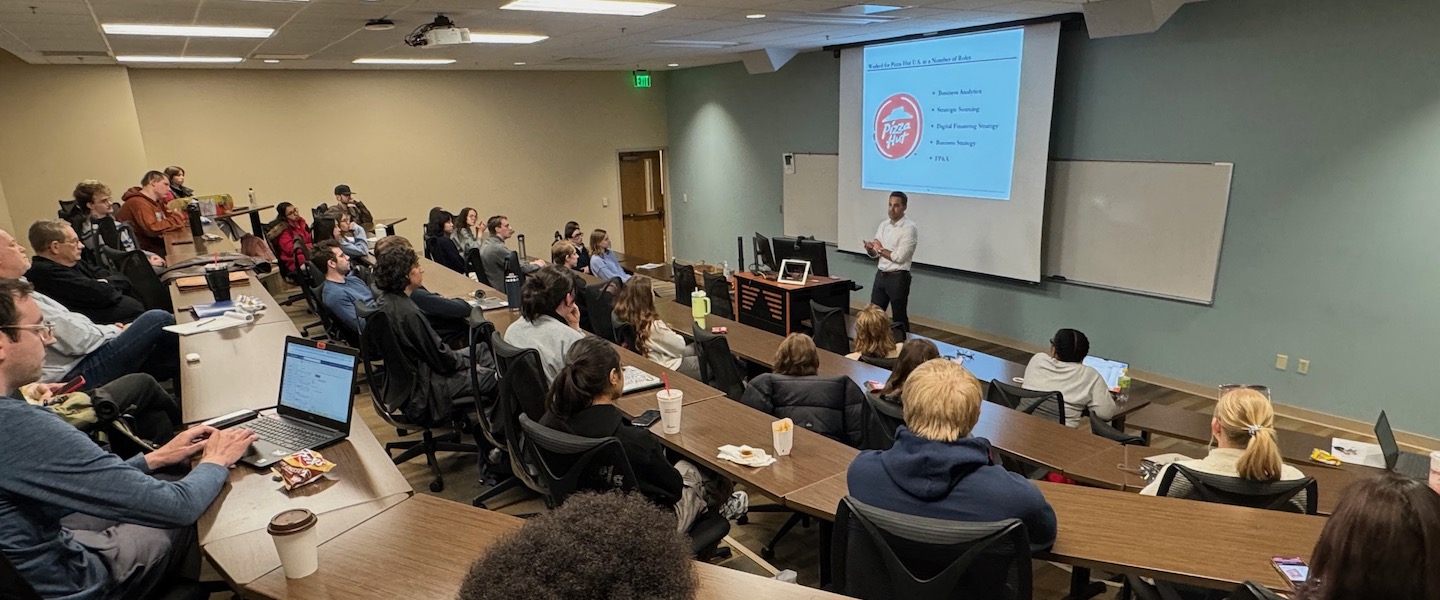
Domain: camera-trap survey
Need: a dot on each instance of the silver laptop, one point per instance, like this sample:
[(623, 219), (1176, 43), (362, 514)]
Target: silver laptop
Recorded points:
[(317, 398), (1408, 464), (1109, 370)]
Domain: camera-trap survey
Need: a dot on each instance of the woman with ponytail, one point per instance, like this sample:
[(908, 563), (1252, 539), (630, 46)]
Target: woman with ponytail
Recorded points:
[(581, 401), (1243, 430)]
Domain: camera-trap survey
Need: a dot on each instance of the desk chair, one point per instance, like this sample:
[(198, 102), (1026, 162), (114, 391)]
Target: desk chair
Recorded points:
[(1050, 405), (600, 305), (684, 279), (1103, 428), (877, 554), (318, 211), (829, 325), (717, 289), (718, 368), (377, 338), (477, 266), (625, 336), (882, 418), (522, 392), (148, 288), (884, 363)]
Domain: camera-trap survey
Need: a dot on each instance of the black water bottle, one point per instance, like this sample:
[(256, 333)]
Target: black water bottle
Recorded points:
[(197, 229)]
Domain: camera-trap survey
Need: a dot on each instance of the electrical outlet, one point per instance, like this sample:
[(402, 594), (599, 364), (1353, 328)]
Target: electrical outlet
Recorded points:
[(604, 202), (1282, 361), (1303, 367)]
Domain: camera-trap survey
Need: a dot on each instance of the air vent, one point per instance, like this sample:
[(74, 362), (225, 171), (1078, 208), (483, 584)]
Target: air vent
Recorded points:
[(75, 53)]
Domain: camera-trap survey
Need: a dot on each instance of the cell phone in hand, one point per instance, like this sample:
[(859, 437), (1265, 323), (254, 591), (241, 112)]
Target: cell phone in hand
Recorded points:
[(646, 418), (73, 385), (1292, 568), (874, 386)]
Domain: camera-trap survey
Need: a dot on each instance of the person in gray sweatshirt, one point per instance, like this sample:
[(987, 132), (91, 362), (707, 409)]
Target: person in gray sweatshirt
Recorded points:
[(1063, 370), (78, 522)]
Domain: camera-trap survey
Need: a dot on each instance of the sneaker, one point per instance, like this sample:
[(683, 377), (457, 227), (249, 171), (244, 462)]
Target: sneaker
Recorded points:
[(737, 505)]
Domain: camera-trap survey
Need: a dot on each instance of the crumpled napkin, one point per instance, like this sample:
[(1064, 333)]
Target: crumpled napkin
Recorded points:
[(745, 455)]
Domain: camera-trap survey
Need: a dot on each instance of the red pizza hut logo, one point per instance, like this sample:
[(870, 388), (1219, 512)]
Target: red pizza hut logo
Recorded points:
[(897, 126)]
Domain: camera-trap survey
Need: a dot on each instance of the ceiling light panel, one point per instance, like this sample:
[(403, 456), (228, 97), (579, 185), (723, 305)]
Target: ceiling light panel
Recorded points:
[(505, 38), (590, 7), (186, 30), (403, 61), (178, 59)]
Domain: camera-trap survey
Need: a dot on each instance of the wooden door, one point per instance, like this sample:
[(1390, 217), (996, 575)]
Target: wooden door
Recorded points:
[(642, 206)]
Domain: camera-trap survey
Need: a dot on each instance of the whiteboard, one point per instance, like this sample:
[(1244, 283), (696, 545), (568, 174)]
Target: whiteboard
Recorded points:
[(811, 197), (1148, 227)]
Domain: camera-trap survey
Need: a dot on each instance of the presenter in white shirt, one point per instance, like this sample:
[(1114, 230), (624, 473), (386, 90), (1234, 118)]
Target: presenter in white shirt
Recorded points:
[(894, 245)]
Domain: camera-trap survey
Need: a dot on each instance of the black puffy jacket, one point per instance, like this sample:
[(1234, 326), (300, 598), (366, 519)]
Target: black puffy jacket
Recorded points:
[(830, 406)]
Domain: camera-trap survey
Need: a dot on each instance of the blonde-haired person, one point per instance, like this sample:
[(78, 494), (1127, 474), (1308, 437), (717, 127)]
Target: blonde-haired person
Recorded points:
[(603, 262), (936, 469), (653, 338), (829, 406), (1246, 446), (873, 339)]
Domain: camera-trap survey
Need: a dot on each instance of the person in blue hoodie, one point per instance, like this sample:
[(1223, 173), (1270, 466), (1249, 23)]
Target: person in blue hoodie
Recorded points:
[(937, 470)]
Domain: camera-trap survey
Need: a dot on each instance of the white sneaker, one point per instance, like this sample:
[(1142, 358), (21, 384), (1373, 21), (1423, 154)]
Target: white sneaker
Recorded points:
[(738, 504)]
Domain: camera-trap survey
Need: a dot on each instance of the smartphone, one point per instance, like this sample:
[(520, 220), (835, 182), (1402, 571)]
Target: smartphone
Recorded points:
[(1292, 569), (719, 330), (73, 385), (646, 418), (874, 386)]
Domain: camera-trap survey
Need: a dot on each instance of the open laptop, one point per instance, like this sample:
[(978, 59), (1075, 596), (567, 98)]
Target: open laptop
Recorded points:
[(317, 398), (1109, 370), (1408, 464)]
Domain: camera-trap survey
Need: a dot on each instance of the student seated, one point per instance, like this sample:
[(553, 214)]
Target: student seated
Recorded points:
[(450, 317), (58, 272), (442, 247), (653, 338), (936, 469), (595, 546), (1244, 432), (1062, 370), (830, 406), (603, 263), (291, 235), (345, 203), (581, 401), (342, 288), (93, 220), (576, 237), (550, 320), (100, 353), (873, 339), (467, 234), (176, 177), (425, 389), (352, 238), (146, 211), (1383, 542), (913, 353), (78, 521), (495, 255)]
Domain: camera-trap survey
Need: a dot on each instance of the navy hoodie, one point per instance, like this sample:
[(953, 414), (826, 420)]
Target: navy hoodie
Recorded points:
[(949, 480)]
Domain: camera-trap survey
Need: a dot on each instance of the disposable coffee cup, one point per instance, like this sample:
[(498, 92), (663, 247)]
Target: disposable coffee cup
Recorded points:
[(1435, 471), (670, 402), (783, 435), (217, 278), (296, 541)]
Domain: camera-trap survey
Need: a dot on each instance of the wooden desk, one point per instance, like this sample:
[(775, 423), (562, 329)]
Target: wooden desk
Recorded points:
[(180, 245), (183, 300), (364, 483), (780, 307), (254, 211), (423, 548), (389, 224), (1193, 426), (638, 402), (238, 368), (1035, 439)]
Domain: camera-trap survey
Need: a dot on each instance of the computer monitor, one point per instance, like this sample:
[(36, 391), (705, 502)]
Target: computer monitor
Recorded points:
[(813, 250), (763, 256), (786, 247)]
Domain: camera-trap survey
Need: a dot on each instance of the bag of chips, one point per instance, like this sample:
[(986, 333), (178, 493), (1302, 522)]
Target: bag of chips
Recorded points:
[(301, 468)]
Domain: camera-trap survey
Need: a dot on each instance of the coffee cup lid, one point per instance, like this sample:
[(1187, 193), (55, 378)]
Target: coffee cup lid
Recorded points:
[(291, 522)]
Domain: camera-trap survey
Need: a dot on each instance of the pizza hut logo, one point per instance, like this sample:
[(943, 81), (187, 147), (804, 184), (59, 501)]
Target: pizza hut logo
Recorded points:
[(897, 126)]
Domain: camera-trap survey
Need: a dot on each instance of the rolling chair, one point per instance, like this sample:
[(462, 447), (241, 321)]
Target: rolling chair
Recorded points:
[(717, 364), (717, 289), (829, 323), (882, 419), (600, 304), (1050, 405), (884, 363), (684, 279), (477, 266), (522, 392), (148, 288), (625, 336)]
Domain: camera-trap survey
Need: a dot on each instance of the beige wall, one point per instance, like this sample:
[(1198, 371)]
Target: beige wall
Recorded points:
[(59, 125), (538, 147)]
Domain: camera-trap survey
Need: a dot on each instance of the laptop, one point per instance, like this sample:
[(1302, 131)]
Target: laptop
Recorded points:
[(637, 380), (1408, 464), (317, 398), (1109, 370)]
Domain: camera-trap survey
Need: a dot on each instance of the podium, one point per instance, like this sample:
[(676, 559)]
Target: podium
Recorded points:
[(780, 307)]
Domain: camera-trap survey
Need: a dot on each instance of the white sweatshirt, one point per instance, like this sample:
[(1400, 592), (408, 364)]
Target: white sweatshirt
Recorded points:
[(1081, 385)]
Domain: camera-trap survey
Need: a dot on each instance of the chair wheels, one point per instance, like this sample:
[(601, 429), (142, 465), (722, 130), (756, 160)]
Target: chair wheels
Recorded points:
[(767, 552), (743, 519), (437, 486)]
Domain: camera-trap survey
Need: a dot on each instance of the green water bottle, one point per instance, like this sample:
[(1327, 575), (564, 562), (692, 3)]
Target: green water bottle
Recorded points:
[(1124, 384)]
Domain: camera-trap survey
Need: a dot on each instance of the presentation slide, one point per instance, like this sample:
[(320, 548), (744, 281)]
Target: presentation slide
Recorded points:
[(941, 115), (961, 124)]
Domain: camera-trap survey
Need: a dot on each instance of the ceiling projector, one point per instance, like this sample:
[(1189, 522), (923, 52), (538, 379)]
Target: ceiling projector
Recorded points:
[(440, 32)]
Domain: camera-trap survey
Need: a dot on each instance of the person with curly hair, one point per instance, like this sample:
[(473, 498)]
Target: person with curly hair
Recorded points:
[(594, 547)]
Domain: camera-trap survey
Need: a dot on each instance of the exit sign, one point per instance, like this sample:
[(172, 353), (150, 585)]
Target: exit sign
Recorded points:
[(641, 78)]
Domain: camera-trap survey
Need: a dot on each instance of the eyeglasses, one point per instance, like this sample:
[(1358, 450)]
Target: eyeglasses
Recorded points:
[(45, 330), (1264, 389)]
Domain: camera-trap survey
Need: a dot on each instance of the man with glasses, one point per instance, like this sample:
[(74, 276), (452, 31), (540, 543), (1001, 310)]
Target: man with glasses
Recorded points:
[(100, 353), (77, 521), (58, 272), (346, 203)]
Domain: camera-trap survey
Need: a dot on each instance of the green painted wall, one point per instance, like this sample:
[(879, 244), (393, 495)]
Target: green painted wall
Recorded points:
[(1330, 110)]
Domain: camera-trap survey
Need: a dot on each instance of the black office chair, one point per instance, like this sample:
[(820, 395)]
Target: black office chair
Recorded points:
[(1181, 481), (600, 304), (571, 463), (1103, 428), (312, 287), (683, 277), (625, 336), (882, 418), (146, 285), (1253, 591), (718, 368), (882, 555), (829, 326), (717, 289), (477, 266), (882, 362), (522, 392), (317, 212), (377, 338), (1050, 405)]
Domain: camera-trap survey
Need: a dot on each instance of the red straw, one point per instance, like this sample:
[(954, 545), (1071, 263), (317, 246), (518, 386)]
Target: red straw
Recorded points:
[(667, 383), (217, 258)]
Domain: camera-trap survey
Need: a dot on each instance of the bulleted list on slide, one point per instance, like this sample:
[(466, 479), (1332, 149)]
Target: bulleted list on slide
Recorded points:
[(941, 115)]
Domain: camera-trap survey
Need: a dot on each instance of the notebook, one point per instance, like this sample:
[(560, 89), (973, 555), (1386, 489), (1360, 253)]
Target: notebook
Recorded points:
[(197, 282), (637, 380)]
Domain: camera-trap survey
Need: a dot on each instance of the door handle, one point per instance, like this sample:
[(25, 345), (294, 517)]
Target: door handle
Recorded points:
[(645, 214)]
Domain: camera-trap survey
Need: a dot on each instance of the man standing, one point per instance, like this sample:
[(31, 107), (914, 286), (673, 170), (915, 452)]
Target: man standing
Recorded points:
[(496, 256), (58, 272), (145, 211), (894, 245), (80, 522), (345, 202)]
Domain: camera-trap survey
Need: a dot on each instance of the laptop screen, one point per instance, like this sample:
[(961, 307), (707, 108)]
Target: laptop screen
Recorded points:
[(317, 381), (1109, 370), (1386, 437)]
